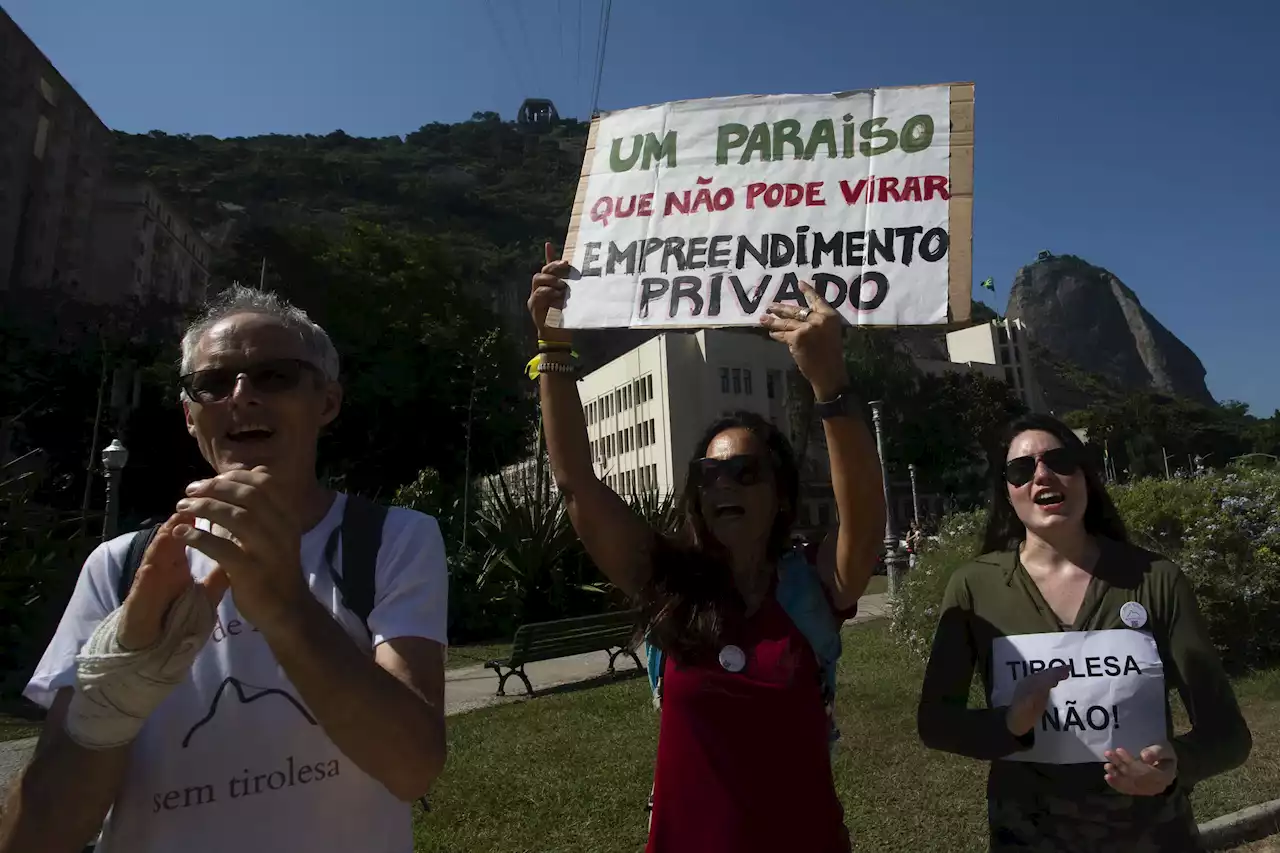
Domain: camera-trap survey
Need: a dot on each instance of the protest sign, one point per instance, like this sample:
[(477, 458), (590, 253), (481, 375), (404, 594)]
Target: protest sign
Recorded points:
[(1114, 696), (698, 214)]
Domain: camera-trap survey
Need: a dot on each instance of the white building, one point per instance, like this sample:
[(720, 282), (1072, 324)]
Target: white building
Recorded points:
[(995, 349), (646, 409)]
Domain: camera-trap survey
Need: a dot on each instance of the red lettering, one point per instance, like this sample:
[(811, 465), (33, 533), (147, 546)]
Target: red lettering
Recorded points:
[(794, 194), (813, 194), (911, 189), (646, 205), (889, 186), (754, 191), (936, 184), (676, 202), (702, 200), (773, 195), (851, 196)]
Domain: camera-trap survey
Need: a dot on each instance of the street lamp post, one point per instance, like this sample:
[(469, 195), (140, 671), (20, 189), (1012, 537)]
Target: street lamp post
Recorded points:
[(915, 496), (892, 556), (114, 457)]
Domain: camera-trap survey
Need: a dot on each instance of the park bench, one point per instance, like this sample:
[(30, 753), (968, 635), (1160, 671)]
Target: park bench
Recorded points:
[(609, 632)]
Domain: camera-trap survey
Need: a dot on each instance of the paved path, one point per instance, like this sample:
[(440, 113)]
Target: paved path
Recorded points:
[(473, 687)]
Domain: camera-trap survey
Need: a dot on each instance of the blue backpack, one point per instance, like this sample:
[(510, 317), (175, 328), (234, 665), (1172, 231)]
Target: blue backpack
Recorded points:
[(804, 600)]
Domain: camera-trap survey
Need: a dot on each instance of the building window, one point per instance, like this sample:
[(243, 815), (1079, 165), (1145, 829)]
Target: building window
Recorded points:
[(769, 389), (724, 380), (1008, 375), (1002, 335), (737, 381), (648, 384), (746, 381)]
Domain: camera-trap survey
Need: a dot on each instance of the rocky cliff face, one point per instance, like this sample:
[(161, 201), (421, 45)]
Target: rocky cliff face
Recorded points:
[(1084, 315)]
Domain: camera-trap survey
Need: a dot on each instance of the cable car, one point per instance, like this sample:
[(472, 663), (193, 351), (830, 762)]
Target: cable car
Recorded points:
[(538, 113)]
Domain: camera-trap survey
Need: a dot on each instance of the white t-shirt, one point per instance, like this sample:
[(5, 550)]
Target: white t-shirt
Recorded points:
[(233, 759)]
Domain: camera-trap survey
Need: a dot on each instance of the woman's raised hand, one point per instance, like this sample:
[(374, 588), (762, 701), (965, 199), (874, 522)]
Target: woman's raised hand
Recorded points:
[(548, 291)]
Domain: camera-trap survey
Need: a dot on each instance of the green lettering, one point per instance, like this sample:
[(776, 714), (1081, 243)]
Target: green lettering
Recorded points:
[(655, 151), (873, 129), (784, 132), (757, 142), (617, 162), (917, 133), (824, 133), (728, 137)]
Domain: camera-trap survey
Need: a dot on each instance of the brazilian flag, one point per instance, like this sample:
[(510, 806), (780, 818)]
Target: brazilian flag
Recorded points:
[(989, 284)]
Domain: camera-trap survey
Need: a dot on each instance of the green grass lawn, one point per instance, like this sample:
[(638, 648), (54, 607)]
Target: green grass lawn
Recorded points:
[(571, 771), (476, 655)]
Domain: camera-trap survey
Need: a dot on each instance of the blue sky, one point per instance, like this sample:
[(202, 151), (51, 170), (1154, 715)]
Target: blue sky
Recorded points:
[(1135, 134)]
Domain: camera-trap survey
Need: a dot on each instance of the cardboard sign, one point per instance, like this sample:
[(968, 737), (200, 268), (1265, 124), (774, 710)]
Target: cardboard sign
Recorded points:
[(1114, 696), (702, 213)]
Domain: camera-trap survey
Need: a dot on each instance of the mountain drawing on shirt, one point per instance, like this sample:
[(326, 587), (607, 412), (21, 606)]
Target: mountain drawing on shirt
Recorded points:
[(254, 695)]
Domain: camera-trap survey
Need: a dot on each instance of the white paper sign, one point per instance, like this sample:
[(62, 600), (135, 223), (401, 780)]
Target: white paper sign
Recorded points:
[(702, 213), (1114, 697)]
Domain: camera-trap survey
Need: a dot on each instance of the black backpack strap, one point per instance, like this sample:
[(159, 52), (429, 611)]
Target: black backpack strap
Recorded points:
[(133, 559), (361, 536)]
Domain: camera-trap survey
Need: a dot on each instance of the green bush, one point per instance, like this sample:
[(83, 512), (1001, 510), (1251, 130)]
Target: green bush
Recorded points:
[(915, 608), (1222, 528)]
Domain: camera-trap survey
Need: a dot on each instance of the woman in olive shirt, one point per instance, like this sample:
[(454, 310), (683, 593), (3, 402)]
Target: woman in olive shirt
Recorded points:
[(1057, 559)]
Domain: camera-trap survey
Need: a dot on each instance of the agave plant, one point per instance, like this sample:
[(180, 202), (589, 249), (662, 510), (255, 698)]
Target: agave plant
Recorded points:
[(532, 559), (660, 511)]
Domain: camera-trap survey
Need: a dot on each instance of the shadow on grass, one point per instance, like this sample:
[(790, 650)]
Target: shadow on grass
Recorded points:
[(595, 681)]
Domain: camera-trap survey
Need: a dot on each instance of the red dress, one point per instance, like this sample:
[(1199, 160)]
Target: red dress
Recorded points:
[(743, 760)]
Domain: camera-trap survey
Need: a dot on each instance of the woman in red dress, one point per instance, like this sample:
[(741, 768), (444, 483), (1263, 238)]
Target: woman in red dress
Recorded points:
[(743, 748)]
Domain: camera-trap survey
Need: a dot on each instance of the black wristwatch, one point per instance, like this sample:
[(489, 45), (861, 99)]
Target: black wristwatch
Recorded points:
[(844, 403)]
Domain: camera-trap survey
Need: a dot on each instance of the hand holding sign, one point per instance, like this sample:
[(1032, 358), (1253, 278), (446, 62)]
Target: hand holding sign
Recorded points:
[(548, 291), (1148, 777), (1031, 698), (815, 337)]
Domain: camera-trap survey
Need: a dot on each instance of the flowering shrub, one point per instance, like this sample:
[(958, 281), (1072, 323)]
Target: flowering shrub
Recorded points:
[(1223, 529)]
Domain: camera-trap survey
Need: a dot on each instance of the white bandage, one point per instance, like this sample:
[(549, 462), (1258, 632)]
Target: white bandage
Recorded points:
[(117, 689)]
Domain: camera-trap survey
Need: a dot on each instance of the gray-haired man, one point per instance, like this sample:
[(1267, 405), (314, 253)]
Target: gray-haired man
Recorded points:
[(233, 702)]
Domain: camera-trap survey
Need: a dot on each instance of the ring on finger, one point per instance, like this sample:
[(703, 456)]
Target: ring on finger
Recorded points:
[(803, 314)]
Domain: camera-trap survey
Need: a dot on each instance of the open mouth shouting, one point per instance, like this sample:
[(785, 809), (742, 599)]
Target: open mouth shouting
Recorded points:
[(249, 434), (1049, 499), (726, 511)]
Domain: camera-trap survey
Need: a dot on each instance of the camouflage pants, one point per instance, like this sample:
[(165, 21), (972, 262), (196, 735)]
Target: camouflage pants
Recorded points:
[(1097, 823)]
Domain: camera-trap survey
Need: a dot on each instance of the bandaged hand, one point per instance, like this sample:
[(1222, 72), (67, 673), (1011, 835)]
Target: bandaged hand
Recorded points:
[(145, 648)]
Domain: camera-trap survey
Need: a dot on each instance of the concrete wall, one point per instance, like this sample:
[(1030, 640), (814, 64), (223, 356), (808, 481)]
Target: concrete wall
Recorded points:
[(52, 157)]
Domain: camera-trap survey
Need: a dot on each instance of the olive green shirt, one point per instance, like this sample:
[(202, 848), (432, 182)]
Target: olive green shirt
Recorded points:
[(994, 596)]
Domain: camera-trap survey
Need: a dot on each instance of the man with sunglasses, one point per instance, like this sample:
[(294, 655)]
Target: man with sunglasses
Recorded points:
[(236, 699)]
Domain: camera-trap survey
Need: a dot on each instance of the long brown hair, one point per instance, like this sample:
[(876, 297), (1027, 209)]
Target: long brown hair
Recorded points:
[(690, 594), (1005, 531)]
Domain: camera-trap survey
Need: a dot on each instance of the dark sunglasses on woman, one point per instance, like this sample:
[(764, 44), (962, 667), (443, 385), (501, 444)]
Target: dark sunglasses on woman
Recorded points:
[(744, 470), (216, 384), (1062, 461)]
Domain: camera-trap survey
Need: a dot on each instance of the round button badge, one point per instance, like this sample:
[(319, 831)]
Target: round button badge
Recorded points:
[(733, 659), (1133, 614)]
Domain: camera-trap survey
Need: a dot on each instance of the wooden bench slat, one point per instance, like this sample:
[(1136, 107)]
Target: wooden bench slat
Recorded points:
[(539, 641)]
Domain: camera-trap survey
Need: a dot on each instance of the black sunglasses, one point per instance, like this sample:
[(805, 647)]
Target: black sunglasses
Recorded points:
[(1062, 461), (745, 470), (215, 384)]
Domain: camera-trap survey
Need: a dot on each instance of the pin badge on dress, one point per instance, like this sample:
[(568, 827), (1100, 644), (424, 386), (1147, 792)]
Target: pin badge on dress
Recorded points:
[(1133, 614), (733, 659)]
